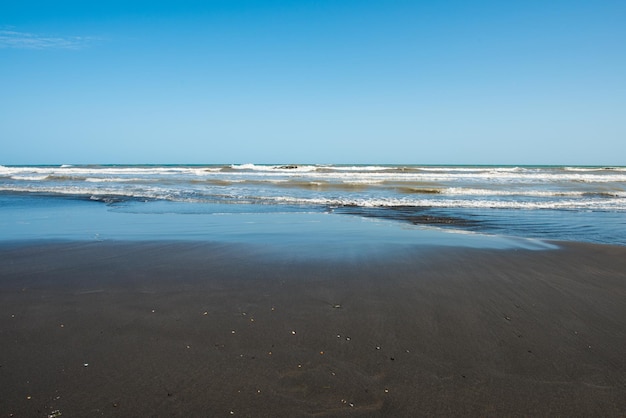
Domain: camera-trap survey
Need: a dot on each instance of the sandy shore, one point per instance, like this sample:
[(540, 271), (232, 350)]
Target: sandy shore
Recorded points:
[(173, 329)]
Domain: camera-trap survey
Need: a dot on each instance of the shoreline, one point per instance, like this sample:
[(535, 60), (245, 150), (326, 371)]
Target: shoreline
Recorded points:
[(170, 328), (240, 202)]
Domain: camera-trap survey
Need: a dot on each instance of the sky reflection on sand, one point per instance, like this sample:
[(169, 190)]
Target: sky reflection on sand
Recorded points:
[(316, 233)]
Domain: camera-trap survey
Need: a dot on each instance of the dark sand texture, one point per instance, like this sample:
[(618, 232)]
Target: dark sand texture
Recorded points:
[(174, 329)]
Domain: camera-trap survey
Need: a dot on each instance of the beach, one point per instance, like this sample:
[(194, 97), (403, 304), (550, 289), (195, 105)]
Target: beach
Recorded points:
[(312, 209), (182, 328)]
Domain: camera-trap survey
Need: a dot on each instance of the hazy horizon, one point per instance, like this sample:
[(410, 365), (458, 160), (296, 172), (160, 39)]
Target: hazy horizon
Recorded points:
[(305, 164)]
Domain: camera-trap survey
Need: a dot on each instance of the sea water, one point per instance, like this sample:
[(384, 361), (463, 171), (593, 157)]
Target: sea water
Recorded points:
[(450, 205)]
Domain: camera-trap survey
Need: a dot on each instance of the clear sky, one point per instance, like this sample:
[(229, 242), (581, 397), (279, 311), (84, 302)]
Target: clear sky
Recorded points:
[(303, 81)]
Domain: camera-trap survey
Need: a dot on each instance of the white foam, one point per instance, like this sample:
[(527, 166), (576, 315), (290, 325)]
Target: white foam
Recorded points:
[(594, 169), (456, 203), (459, 187), (113, 179), (526, 192), (441, 175), (356, 173), (29, 178)]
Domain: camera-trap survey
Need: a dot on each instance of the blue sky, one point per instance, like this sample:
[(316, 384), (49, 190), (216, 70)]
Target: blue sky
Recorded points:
[(355, 81)]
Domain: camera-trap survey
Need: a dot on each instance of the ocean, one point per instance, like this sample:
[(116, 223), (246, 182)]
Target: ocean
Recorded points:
[(585, 204)]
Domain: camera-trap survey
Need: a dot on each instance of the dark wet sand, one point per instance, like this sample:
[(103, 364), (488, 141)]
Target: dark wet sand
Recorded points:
[(166, 329)]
